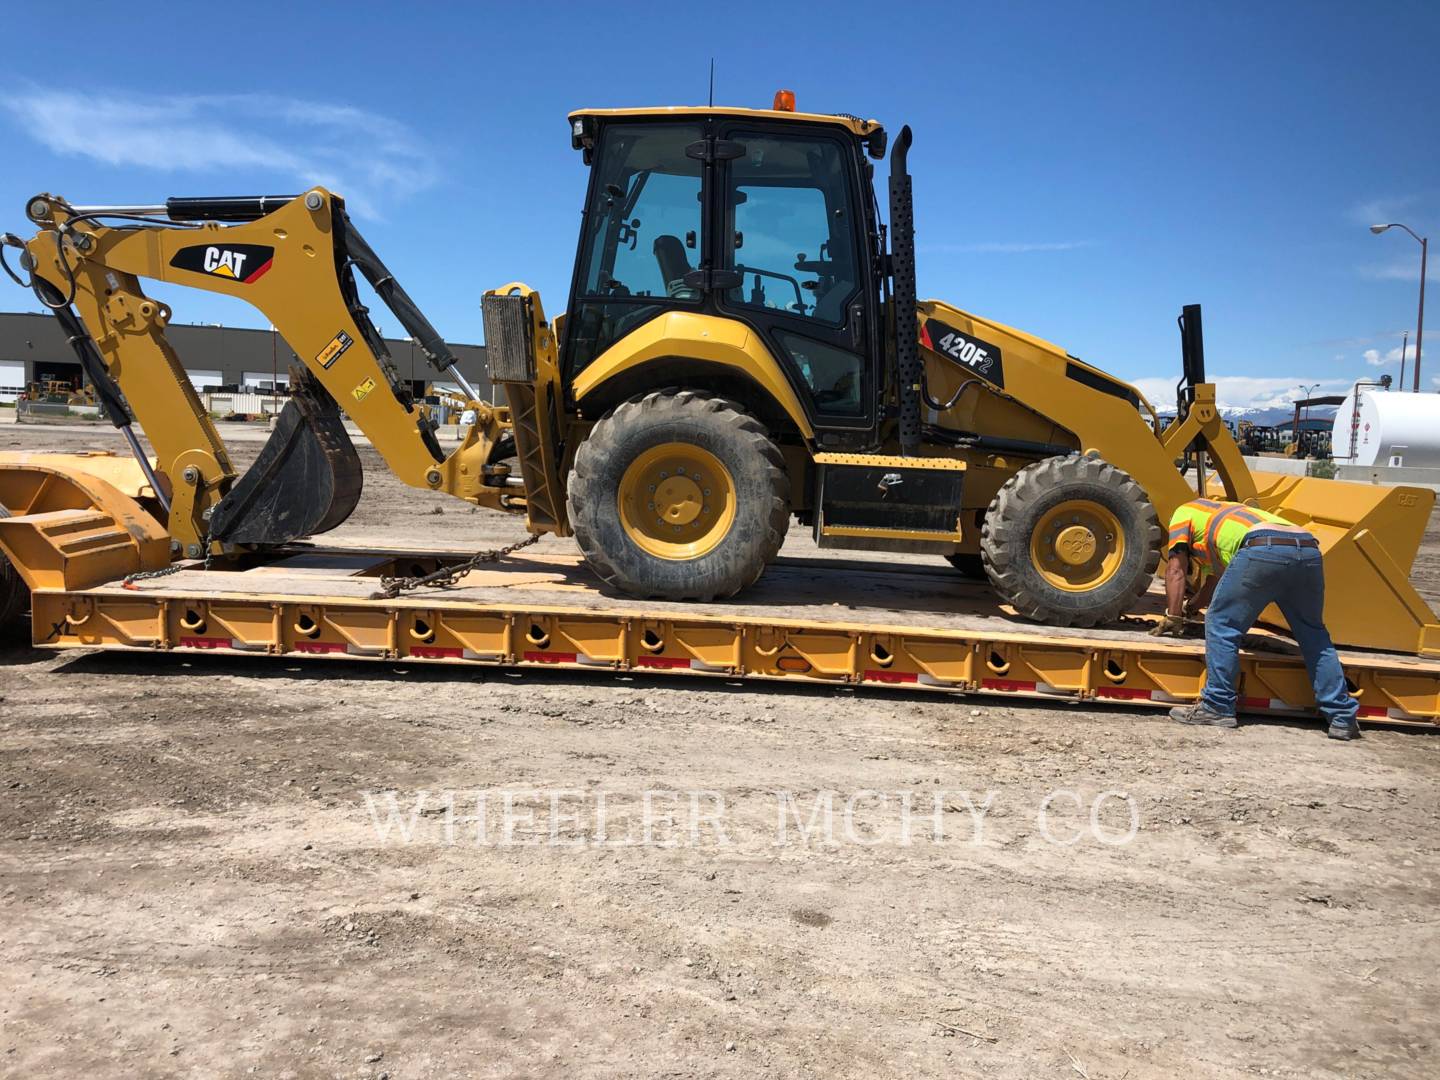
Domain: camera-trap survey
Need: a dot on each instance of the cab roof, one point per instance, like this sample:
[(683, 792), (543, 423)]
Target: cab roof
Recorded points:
[(853, 124)]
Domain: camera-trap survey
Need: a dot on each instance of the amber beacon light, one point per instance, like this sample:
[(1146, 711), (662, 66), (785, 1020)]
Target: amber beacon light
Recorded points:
[(784, 101)]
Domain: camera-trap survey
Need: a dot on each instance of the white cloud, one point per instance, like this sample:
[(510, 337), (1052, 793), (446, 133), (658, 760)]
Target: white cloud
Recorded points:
[(1245, 391), (1400, 270), (1375, 358), (998, 248), (1383, 211), (370, 159)]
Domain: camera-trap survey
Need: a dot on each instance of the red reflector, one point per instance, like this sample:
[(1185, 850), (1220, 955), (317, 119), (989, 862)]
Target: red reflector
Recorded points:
[(1373, 710), (319, 646), (549, 657)]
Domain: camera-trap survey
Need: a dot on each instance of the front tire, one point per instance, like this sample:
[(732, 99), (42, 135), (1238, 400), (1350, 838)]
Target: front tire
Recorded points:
[(679, 495), (1071, 541)]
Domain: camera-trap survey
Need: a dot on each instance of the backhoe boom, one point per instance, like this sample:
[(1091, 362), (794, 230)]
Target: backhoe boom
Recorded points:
[(291, 258)]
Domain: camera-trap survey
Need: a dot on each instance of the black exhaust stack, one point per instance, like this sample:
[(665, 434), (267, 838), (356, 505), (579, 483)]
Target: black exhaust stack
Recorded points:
[(902, 274), (1192, 358)]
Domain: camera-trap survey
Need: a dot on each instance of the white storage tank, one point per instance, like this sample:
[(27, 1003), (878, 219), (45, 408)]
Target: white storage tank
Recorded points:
[(1387, 428)]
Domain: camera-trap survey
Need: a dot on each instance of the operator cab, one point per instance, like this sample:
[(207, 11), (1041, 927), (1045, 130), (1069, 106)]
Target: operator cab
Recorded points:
[(765, 216)]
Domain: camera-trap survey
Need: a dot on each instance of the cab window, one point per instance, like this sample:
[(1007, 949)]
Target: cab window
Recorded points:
[(643, 228), (793, 238)]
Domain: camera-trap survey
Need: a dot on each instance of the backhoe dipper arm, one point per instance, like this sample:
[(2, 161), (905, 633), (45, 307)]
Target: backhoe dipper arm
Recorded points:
[(291, 258)]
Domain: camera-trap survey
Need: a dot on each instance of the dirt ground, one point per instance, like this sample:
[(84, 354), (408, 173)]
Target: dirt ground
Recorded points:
[(205, 870)]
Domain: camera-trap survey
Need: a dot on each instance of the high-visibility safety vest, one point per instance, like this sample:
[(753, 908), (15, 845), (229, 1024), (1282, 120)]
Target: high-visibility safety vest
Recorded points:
[(1214, 531)]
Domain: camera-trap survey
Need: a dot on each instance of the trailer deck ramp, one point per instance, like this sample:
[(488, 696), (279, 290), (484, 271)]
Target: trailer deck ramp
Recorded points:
[(864, 623)]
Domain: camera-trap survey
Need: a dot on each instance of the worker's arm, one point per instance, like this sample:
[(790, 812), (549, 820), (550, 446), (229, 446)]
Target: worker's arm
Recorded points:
[(1201, 599), (1177, 570)]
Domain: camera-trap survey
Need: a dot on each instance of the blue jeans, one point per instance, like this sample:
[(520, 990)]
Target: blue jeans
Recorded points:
[(1293, 580)]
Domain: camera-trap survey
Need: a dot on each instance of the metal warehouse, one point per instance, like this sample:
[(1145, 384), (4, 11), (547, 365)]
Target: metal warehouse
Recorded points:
[(33, 349)]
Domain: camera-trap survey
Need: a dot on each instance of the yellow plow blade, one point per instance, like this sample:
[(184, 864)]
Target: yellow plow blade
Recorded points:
[(1369, 536)]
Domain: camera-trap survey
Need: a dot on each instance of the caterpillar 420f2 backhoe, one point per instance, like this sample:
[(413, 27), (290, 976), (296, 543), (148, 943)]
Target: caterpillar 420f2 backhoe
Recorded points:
[(742, 346)]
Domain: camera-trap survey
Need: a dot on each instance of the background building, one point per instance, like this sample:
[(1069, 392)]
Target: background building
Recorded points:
[(33, 349)]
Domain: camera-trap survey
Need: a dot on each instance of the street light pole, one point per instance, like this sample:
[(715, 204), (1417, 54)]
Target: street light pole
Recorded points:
[(1424, 243), (1404, 348)]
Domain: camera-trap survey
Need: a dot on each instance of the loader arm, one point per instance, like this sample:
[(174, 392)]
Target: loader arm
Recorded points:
[(290, 258), (1102, 412), (1369, 535)]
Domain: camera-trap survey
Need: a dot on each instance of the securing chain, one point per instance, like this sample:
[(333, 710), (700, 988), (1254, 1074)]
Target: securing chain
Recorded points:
[(166, 571), (446, 576)]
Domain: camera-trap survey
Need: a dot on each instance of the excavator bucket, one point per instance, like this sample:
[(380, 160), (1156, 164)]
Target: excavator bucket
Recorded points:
[(306, 480), (1369, 536)]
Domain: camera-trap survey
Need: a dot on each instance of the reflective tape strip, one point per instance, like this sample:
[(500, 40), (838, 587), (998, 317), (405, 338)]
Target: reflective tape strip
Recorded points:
[(549, 657), (1010, 684), (320, 648), (892, 676), (436, 652), (206, 643), (1212, 529), (662, 662)]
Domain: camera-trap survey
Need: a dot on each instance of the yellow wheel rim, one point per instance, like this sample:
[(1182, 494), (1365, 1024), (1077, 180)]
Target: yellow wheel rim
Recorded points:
[(1077, 546), (677, 501)]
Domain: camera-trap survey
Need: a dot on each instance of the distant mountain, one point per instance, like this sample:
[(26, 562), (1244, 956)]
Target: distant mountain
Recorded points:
[(1273, 415)]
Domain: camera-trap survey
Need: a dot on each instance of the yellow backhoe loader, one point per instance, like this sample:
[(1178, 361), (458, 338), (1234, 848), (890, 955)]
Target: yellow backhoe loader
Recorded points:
[(742, 347)]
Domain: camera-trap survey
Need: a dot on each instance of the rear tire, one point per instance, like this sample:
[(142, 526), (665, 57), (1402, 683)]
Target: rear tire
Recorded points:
[(1071, 541), (679, 495)]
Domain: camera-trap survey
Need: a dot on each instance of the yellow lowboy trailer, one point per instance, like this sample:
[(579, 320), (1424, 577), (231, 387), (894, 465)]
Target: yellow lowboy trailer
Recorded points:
[(531, 612), (862, 624)]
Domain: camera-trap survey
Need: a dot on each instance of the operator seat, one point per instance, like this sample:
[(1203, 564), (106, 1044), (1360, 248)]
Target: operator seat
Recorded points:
[(674, 265)]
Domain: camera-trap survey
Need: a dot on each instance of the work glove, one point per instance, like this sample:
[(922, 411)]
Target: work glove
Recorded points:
[(1169, 626)]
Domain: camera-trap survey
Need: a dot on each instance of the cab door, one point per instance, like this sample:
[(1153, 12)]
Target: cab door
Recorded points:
[(792, 227)]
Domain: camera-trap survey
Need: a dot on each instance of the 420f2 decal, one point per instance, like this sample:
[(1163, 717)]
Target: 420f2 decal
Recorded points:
[(245, 263), (979, 356)]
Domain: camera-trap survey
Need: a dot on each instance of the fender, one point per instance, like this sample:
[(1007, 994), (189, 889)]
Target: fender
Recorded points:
[(726, 342)]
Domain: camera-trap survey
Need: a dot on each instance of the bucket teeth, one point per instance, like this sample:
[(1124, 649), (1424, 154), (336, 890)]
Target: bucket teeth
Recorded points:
[(306, 480)]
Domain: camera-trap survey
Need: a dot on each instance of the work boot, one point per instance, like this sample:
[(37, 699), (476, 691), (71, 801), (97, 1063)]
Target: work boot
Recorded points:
[(1202, 715), (1344, 731)]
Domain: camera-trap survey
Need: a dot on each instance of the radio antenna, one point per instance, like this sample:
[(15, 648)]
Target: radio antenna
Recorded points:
[(712, 82)]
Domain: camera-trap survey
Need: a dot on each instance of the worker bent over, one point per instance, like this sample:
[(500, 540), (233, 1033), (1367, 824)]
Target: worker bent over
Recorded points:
[(1248, 560)]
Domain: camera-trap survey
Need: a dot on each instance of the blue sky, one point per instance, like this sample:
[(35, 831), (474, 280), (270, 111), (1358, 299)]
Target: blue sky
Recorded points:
[(1082, 170)]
